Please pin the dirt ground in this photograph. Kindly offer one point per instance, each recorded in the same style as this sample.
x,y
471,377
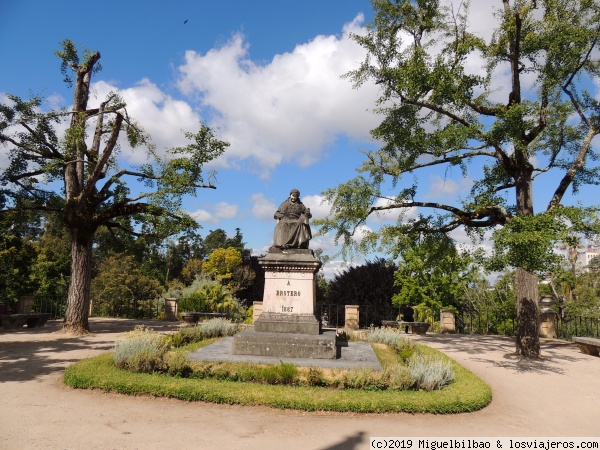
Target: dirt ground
x,y
558,395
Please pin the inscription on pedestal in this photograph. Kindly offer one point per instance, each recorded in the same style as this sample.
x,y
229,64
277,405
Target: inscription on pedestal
x,y
289,293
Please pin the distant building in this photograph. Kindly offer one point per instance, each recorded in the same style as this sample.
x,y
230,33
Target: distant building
x,y
584,258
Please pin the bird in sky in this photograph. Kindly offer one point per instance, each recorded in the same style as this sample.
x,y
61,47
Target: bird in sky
x,y
185,21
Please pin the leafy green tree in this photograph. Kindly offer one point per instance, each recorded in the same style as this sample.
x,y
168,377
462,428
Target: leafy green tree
x,y
370,285
94,189
121,289
253,291
503,133
51,269
214,240
191,270
218,239
489,309
17,254
222,263
432,274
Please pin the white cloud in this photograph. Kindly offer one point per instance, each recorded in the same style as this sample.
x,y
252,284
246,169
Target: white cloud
x,y
288,109
441,187
263,208
361,232
318,208
159,114
203,216
336,267
222,210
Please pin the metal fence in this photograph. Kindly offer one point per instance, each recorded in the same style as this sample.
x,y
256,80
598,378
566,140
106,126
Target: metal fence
x,y
334,316
54,305
130,308
578,326
467,321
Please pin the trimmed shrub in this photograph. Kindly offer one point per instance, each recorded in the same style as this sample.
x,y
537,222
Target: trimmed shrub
x,y
204,330
430,373
404,347
397,377
141,351
177,365
217,327
362,378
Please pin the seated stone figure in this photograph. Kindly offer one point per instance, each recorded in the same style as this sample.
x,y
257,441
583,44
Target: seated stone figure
x,y
292,229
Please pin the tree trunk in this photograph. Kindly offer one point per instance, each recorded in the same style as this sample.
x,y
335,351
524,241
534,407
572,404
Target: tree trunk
x,y
528,340
78,300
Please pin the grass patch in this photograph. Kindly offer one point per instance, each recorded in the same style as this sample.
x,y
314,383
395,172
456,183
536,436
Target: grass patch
x,y
465,393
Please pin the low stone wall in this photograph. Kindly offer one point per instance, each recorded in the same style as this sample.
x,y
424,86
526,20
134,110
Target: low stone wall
x,y
416,327
18,321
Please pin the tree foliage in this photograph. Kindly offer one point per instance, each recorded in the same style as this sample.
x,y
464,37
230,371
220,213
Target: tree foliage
x,y
370,285
505,110
78,175
432,274
121,290
222,263
17,255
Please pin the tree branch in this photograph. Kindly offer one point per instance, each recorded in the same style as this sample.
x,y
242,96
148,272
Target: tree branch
x,y
484,217
576,166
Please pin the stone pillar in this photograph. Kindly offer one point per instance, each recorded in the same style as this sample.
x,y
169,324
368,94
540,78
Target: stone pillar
x,y
447,321
25,304
352,316
547,317
171,309
257,309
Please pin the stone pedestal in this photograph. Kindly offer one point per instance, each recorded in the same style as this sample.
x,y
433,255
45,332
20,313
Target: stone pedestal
x,y
287,325
447,321
171,309
547,318
352,317
25,304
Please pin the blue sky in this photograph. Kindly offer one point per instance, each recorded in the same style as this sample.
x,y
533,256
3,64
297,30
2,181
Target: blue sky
x,y
266,73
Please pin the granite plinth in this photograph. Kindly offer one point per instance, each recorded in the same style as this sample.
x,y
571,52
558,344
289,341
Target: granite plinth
x,y
287,323
287,345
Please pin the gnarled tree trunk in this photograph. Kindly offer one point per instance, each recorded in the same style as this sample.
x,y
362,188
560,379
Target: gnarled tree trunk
x,y
528,340
78,300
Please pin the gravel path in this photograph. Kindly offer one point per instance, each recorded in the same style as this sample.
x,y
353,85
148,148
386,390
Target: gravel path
x,y
558,395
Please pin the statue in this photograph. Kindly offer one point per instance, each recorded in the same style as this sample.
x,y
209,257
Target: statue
x,y
292,229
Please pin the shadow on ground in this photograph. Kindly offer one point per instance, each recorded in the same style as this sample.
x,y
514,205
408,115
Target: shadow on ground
x,y
45,351
479,345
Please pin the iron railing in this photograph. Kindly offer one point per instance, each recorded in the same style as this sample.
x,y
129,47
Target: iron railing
x,y
467,321
578,326
55,305
334,316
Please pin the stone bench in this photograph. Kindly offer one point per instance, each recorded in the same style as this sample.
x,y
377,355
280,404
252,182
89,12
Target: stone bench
x,y
17,321
194,317
416,327
588,345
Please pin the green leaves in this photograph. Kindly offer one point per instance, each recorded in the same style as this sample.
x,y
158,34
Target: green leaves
x,y
530,241
523,113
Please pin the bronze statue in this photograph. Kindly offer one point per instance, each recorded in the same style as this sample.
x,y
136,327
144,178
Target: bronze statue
x,y
292,229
